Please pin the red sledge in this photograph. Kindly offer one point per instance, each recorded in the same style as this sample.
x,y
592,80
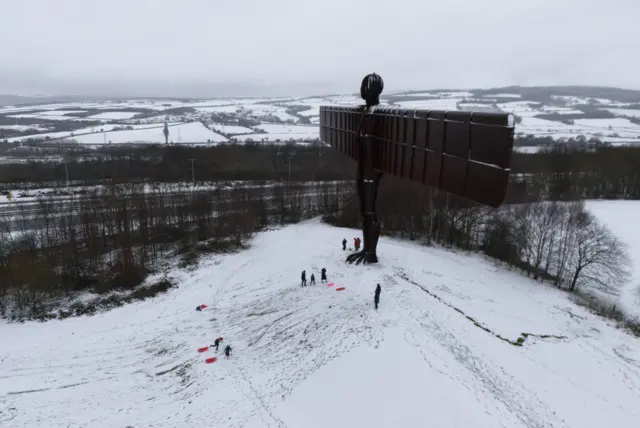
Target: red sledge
x,y
206,348
339,288
210,360
331,284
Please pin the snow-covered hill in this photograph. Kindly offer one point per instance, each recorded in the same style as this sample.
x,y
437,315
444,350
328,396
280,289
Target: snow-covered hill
x,y
440,352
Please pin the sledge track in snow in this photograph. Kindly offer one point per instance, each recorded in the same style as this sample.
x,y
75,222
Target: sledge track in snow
x,y
516,398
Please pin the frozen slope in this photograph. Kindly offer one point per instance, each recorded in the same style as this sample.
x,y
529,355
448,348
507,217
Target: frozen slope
x,y
316,357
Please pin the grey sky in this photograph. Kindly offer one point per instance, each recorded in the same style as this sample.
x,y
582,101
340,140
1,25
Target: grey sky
x,y
213,47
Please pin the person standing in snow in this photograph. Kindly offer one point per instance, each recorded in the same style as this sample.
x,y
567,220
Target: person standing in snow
x,y
227,351
303,277
323,275
313,280
355,243
217,343
344,244
376,296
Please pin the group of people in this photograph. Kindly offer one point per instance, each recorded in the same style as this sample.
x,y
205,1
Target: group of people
x,y
356,243
323,273
323,278
216,344
312,279
227,349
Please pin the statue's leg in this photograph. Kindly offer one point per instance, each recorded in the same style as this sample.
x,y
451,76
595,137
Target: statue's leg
x,y
368,191
376,229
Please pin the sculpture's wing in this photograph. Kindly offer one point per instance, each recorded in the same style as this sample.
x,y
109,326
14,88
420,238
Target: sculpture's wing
x,y
464,153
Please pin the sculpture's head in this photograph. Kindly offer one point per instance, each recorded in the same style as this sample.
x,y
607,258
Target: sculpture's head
x,y
371,89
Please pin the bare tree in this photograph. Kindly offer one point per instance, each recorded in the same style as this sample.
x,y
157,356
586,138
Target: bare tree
x,y
541,220
598,258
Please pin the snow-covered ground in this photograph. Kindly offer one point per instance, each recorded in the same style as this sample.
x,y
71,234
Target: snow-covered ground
x,y
107,129
283,132
527,149
623,112
63,134
615,130
317,357
231,129
231,108
32,195
193,132
622,218
52,115
114,115
24,127
515,96
432,104
269,111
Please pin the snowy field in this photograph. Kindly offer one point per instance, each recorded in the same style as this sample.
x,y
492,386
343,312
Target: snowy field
x,y
274,111
435,104
622,218
67,134
617,130
437,353
52,115
194,132
113,115
623,112
231,129
20,196
275,132
24,127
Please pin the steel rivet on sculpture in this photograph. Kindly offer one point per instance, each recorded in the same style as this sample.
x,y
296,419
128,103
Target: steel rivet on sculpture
x,y
467,154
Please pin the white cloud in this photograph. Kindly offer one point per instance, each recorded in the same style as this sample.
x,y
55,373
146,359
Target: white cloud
x,y
162,46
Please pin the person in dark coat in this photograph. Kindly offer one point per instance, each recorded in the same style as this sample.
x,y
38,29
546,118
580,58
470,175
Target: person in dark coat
x,y
303,277
227,351
323,275
344,244
217,343
313,280
376,296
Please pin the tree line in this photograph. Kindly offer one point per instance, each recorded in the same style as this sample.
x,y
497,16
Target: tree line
x,y
173,164
556,172
113,238
560,242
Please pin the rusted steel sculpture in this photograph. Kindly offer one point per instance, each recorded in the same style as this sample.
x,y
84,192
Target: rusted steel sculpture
x,y
464,153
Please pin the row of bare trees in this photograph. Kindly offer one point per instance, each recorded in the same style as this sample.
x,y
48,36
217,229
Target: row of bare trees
x,y
113,238
562,172
560,242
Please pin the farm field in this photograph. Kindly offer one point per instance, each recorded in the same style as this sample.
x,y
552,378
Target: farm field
x,y
272,120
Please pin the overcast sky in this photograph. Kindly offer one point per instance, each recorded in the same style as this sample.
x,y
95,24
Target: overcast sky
x,y
207,47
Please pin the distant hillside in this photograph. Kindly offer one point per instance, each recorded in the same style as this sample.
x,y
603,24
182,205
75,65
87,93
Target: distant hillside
x,y
6,100
543,93
533,93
